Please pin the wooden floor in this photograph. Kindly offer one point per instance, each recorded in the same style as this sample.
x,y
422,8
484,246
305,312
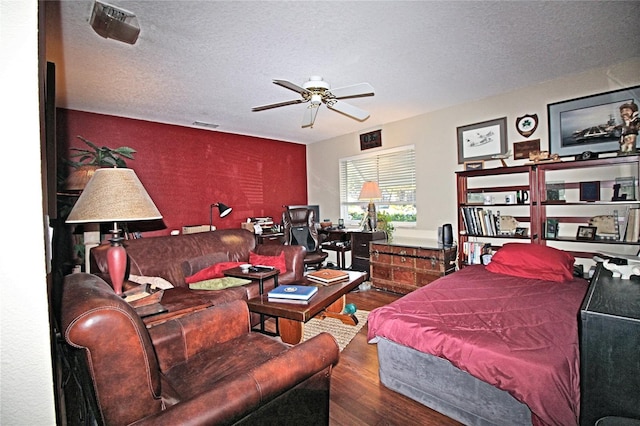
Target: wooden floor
x,y
357,396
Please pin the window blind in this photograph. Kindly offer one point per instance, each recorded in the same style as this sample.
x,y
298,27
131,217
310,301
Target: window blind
x,y
395,172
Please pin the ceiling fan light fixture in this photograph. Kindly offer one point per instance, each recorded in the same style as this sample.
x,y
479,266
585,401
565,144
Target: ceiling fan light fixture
x,y
113,22
316,99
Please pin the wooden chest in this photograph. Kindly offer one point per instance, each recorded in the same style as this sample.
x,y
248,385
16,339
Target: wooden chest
x,y
402,266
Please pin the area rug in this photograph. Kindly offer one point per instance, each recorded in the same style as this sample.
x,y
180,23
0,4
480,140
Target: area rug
x,y
343,333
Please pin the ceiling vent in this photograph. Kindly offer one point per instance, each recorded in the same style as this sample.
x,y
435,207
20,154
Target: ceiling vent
x,y
113,22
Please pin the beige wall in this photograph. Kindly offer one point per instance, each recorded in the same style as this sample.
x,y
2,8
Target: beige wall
x,y
26,385
434,136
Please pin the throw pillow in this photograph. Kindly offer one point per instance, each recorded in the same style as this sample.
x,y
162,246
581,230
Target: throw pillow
x,y
218,283
533,261
156,282
277,262
213,271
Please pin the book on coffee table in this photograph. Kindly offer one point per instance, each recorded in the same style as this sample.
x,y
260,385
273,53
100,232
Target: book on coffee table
x,y
294,292
328,276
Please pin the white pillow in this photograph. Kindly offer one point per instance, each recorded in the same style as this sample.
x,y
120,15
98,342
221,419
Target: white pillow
x,y
156,282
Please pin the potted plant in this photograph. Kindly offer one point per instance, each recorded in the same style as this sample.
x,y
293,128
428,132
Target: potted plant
x,y
92,158
384,224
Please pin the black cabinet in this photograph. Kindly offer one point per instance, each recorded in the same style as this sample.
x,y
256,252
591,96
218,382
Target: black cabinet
x,y
360,248
610,348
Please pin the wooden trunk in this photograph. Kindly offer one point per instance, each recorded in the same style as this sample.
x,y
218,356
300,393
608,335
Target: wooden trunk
x,y
402,266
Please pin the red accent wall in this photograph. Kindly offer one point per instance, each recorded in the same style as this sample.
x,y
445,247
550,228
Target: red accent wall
x,y
185,170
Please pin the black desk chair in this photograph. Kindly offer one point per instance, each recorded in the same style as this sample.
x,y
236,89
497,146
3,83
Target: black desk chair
x,y
300,229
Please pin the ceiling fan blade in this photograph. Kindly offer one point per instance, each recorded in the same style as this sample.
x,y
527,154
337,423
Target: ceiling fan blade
x,y
310,114
355,91
291,86
347,109
280,104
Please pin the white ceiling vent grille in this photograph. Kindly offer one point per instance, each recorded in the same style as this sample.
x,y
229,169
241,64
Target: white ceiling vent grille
x,y
113,22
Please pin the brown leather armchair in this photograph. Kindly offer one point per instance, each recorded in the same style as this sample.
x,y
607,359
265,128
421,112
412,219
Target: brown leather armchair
x,y
300,229
202,368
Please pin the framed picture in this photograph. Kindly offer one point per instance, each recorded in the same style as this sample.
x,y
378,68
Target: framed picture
x,y
586,233
551,229
481,141
590,191
591,123
522,232
473,165
521,150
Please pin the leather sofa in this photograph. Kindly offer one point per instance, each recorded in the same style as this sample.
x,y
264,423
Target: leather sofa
x,y
204,368
175,257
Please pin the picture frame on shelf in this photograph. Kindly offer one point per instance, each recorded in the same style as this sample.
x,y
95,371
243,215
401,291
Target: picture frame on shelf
x,y
482,141
586,233
473,165
522,232
590,191
551,229
627,187
590,123
555,192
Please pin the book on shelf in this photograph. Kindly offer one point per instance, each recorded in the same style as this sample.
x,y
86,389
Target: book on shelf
x,y
473,252
633,226
328,276
478,221
295,292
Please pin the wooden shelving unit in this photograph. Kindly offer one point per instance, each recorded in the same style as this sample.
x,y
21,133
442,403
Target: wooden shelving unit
x,y
569,213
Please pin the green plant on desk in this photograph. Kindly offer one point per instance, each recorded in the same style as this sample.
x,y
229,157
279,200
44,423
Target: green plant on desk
x,y
385,224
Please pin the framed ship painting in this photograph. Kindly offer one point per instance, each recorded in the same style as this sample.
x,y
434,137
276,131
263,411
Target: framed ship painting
x,y
592,123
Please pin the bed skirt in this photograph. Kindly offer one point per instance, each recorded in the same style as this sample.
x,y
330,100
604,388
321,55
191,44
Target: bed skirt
x,y
436,383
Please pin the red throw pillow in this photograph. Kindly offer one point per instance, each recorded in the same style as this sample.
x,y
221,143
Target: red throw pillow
x,y
277,262
533,261
213,271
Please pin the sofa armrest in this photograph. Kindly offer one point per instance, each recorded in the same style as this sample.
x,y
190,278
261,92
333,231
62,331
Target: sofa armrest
x,y
238,395
179,339
294,258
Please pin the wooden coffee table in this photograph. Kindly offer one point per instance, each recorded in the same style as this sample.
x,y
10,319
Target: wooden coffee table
x,y
328,302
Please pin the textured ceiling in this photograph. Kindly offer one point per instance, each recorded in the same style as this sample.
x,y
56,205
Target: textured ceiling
x,y
212,61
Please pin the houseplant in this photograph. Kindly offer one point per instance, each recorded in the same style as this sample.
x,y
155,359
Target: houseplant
x,y
100,156
92,158
84,162
385,224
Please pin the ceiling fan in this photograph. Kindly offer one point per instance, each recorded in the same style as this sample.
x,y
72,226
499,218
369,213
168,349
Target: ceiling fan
x,y
318,92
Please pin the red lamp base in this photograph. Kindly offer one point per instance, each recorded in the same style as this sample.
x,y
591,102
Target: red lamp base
x,y
117,263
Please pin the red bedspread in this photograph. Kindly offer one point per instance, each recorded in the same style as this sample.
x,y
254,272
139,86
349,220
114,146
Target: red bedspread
x,y
518,334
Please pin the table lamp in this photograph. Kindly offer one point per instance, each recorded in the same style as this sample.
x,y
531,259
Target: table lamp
x,y
114,195
223,210
370,191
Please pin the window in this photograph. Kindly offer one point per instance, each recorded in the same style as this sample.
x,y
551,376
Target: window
x,y
395,172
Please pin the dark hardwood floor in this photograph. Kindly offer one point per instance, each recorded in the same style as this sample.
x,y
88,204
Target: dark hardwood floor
x,y
357,396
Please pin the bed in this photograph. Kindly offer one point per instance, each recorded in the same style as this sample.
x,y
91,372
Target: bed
x,y
494,345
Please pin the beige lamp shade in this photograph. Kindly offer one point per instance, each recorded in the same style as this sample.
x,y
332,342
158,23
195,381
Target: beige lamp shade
x,y
370,191
114,195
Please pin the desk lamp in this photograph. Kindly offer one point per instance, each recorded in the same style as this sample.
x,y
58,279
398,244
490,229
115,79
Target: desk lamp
x,y
114,195
223,210
370,191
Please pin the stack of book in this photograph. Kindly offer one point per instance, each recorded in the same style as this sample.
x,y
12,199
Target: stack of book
x,y
298,293
328,276
265,223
